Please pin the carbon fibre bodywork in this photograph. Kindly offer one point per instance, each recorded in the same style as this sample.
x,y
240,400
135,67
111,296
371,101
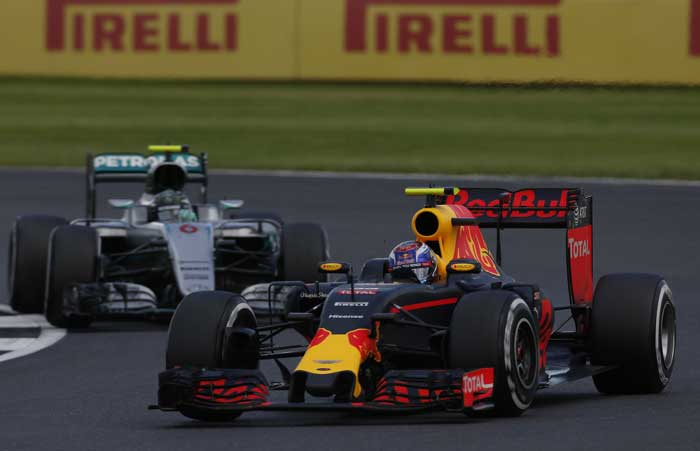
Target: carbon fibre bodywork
x,y
475,339
168,258
163,247
169,261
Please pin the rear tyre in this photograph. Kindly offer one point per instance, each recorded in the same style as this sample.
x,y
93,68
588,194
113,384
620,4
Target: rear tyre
x,y
496,329
26,264
72,259
304,246
633,327
212,329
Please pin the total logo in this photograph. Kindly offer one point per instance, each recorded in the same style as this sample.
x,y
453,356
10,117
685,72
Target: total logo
x,y
579,249
188,228
475,383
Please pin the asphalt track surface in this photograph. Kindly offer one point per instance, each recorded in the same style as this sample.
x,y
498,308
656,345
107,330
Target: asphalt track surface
x,y
90,391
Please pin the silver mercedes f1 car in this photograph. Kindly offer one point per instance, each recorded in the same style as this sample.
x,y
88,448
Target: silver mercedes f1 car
x,y
164,246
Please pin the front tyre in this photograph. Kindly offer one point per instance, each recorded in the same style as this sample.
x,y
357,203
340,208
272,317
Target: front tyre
x,y
212,329
633,327
496,329
26,264
73,259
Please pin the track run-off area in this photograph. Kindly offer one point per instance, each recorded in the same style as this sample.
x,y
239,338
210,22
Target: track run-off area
x,y
90,389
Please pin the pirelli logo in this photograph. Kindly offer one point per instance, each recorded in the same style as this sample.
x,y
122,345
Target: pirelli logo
x,y
468,27
142,26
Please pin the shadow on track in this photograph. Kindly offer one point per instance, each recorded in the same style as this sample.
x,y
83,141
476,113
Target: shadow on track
x,y
545,400
312,419
337,420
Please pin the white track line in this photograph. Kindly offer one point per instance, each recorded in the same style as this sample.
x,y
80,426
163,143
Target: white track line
x,y
15,344
435,178
17,322
20,347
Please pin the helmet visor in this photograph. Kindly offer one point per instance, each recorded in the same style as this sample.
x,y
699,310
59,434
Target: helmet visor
x,y
418,272
423,275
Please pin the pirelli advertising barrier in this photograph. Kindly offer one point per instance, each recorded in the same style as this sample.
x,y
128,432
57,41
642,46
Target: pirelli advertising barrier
x,y
604,41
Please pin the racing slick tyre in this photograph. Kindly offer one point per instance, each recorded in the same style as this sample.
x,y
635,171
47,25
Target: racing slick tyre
x,y
26,264
633,327
73,259
201,329
304,246
496,329
212,329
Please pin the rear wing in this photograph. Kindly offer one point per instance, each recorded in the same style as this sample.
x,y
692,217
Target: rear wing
x,y
526,208
568,209
134,167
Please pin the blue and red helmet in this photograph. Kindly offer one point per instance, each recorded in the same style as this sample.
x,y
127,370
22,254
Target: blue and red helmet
x,y
413,260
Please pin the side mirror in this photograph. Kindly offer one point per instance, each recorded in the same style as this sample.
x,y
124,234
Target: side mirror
x,y
464,266
230,204
334,268
121,203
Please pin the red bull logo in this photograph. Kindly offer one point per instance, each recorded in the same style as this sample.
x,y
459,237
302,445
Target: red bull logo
x,y
471,244
527,200
465,27
141,26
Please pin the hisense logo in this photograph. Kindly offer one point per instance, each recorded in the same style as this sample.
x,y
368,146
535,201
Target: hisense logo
x,y
141,25
527,28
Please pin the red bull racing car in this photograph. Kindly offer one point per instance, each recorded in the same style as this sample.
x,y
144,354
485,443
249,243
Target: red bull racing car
x,y
469,338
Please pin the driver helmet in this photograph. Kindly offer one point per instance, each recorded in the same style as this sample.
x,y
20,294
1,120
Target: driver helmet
x,y
173,206
165,176
414,261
